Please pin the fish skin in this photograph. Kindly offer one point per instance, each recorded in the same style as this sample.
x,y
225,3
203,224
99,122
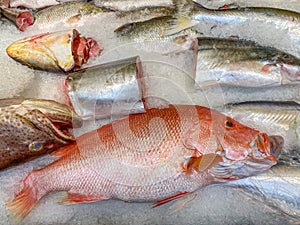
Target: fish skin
x,y
31,127
263,22
243,63
285,120
109,90
127,5
278,188
291,5
37,4
57,52
69,13
146,157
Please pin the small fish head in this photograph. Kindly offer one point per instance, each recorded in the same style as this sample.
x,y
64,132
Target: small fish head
x,y
245,151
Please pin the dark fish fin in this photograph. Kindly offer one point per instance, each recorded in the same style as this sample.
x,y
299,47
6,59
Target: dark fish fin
x,y
65,150
76,198
201,163
163,201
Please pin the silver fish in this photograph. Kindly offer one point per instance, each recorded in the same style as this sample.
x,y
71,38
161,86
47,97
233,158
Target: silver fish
x,y
291,5
108,90
267,26
278,188
127,5
274,118
243,63
37,4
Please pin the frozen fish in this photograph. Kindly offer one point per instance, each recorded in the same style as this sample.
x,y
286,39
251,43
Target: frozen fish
x,y
127,5
37,4
157,156
291,5
278,188
243,63
107,91
31,127
69,13
262,25
58,52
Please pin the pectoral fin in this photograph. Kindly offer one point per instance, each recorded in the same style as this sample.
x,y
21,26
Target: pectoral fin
x,y
75,198
180,24
201,163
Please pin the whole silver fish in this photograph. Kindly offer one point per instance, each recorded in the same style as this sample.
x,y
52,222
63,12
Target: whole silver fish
x,y
36,4
107,91
292,5
69,13
274,118
31,127
278,188
127,5
243,63
267,26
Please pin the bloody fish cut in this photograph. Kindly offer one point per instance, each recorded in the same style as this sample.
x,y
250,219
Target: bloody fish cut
x,y
156,156
21,18
32,127
58,52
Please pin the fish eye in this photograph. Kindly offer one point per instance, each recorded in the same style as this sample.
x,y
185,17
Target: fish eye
x,y
35,146
228,123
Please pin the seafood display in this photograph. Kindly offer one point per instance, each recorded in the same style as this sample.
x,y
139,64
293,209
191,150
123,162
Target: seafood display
x,y
108,90
243,63
31,127
149,101
56,52
159,156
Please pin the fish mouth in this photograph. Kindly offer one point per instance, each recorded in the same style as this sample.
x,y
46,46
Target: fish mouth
x,y
263,154
59,118
266,147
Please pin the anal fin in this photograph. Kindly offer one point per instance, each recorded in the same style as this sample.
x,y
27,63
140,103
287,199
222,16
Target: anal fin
x,y
75,198
163,201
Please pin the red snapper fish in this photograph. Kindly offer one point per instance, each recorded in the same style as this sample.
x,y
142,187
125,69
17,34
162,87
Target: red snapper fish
x,y
156,156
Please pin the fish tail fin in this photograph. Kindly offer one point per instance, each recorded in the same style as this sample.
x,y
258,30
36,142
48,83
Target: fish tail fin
x,y
181,23
25,201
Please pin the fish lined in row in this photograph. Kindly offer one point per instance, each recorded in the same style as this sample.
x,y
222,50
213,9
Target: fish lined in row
x,y
243,63
159,156
32,127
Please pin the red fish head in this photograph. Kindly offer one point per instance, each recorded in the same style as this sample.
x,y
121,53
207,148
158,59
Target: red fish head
x,y
245,151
